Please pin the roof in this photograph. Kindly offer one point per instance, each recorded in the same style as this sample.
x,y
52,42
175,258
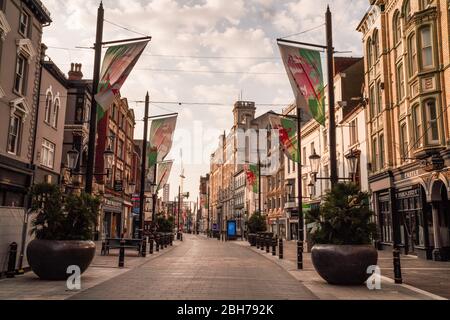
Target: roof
x,y
40,11
53,69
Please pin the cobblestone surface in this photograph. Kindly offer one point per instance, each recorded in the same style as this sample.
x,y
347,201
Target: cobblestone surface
x,y
203,269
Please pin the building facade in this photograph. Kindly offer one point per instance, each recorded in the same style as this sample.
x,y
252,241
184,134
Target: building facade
x,y
21,27
407,82
51,115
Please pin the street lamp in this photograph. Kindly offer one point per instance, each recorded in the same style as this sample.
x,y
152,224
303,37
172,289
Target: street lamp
x,y
131,187
352,162
311,189
72,159
314,161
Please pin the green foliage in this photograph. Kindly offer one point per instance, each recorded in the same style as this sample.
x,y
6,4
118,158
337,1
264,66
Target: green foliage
x,y
344,218
163,224
59,217
257,223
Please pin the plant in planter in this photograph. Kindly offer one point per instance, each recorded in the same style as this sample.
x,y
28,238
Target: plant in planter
x,y
63,228
163,224
256,223
343,236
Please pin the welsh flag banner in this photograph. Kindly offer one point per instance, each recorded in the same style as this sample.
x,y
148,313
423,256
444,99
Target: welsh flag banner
x,y
304,69
251,171
117,65
160,142
287,130
163,174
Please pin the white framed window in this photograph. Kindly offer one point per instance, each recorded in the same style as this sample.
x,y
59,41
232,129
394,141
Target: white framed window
x,y
19,79
48,107
48,154
426,47
353,132
15,129
432,121
24,22
55,113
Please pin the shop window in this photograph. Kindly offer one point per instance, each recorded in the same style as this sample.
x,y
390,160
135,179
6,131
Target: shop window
x,y
385,218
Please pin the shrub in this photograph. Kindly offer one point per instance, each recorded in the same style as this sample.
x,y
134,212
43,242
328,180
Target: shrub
x,y
344,218
257,223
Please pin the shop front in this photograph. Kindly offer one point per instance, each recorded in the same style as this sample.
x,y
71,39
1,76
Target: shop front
x,y
112,218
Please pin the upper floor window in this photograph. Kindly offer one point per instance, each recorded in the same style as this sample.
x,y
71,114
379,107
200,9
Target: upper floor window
x,y
24,22
426,47
432,121
404,142
412,57
55,113
407,12
48,107
417,126
397,28
48,154
369,53
424,4
379,97
376,46
400,82
381,151
372,101
374,155
15,129
19,81
353,132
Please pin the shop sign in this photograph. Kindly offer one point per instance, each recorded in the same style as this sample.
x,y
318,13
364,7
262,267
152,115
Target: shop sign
x,y
408,193
118,185
407,175
112,203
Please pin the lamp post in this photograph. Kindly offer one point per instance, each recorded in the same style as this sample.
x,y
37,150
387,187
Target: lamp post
x,y
352,163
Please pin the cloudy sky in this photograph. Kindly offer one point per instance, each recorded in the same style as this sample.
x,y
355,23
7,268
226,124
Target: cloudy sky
x,y
202,51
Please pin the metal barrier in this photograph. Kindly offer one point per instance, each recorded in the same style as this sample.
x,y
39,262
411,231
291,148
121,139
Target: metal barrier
x,y
12,260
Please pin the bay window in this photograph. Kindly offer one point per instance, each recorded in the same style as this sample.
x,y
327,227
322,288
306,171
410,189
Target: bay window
x,y
417,125
400,83
412,57
404,141
432,121
426,47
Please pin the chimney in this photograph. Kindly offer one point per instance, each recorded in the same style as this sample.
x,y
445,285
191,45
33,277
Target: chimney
x,y
75,72
43,51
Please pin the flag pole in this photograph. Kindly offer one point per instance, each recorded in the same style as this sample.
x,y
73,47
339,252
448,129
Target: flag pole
x,y
300,237
93,118
332,116
143,166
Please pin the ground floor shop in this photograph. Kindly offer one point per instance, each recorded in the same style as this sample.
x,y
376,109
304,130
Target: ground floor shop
x,y
112,218
15,180
414,213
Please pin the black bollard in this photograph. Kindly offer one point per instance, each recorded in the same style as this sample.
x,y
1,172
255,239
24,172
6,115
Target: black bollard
x,y
280,248
12,260
150,244
299,255
397,266
171,240
122,254
274,246
263,242
144,247
166,243
268,243
257,241
157,240
181,237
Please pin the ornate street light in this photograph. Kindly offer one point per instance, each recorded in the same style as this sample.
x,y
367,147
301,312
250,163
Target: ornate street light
x,y
108,157
314,161
131,187
311,189
72,159
352,162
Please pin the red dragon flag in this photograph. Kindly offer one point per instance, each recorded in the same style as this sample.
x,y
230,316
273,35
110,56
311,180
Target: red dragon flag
x,y
304,69
252,174
287,131
117,65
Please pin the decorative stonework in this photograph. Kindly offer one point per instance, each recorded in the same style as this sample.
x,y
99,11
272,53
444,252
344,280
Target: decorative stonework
x,y
2,93
25,47
5,28
20,105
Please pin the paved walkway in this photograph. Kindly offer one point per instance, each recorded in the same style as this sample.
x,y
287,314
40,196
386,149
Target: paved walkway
x,y
203,269
430,276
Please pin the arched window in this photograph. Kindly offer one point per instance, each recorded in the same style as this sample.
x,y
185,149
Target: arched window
x,y
426,47
412,55
407,13
369,53
432,121
404,142
397,28
424,4
376,46
417,126
55,113
48,107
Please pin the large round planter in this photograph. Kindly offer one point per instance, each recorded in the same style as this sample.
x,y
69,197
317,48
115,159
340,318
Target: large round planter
x,y
344,264
50,259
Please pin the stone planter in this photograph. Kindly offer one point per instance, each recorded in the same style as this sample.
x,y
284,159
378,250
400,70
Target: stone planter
x,y
50,259
344,264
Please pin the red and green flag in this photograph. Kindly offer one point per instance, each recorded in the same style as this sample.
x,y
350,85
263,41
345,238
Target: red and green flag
x,y
252,174
304,69
161,138
164,169
117,65
287,131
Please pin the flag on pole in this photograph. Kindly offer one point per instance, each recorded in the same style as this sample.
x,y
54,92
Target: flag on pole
x,y
252,174
287,130
164,169
160,142
304,69
117,65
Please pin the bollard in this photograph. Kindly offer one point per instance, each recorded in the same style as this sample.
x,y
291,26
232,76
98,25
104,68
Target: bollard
x,y
274,246
397,266
181,235
299,255
144,247
150,244
12,260
263,242
167,240
257,241
171,239
280,248
157,239
122,254
267,243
